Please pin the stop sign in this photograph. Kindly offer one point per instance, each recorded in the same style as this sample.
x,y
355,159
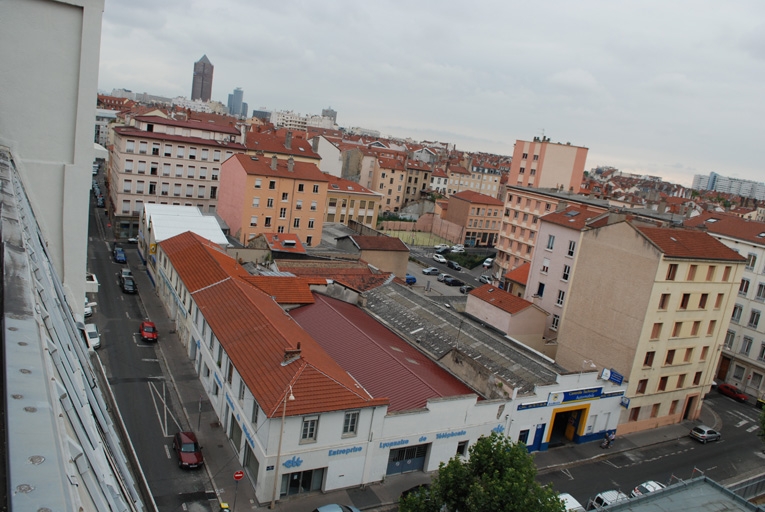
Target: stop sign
x,y
238,475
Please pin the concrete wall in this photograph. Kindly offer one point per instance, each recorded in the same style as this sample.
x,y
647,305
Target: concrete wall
x,y
48,104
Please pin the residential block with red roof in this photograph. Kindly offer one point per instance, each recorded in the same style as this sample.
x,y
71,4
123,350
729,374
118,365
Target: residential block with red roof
x,y
479,215
651,304
742,362
157,159
271,195
347,200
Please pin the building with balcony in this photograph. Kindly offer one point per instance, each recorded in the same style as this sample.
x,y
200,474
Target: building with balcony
x,y
165,161
272,195
652,306
417,180
743,354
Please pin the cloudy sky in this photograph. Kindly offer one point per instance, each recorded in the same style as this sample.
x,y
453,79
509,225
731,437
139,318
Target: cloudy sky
x,y
656,87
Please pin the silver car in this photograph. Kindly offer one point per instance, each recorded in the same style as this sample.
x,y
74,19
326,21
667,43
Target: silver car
x,y
704,433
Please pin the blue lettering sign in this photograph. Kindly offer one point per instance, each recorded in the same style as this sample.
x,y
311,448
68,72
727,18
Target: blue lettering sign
x,y
248,435
345,451
625,402
581,394
294,462
616,377
446,435
612,394
217,379
230,402
422,439
532,405
391,444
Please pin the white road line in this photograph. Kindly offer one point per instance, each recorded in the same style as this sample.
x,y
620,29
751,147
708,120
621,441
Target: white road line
x,y
752,428
167,451
155,360
741,423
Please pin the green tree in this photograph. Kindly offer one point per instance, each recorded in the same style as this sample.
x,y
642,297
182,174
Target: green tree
x,y
498,476
761,431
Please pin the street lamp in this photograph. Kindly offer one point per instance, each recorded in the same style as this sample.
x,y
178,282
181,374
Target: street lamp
x,y
287,397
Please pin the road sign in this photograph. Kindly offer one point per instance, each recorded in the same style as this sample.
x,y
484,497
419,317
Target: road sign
x,y
238,475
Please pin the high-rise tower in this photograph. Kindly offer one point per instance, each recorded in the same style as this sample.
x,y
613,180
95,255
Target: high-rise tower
x,y
201,87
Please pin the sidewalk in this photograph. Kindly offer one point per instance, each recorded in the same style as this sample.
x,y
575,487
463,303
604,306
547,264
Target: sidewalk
x,y
220,460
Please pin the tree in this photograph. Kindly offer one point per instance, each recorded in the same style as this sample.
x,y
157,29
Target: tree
x,y
761,431
498,476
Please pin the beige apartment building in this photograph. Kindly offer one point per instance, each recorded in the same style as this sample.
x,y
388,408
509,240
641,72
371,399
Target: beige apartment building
x,y
479,215
417,180
271,195
164,161
651,305
347,200
544,164
520,223
389,179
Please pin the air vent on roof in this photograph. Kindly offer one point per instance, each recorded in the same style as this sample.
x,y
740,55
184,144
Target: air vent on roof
x,y
712,220
761,235
254,158
572,213
673,239
288,243
335,187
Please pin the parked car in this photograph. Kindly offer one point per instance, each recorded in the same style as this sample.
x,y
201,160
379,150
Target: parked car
x,y
570,503
125,272
485,279
444,250
704,434
442,246
336,508
119,255
441,277
646,488
732,391
410,279
452,281
92,337
606,498
431,271
454,265
439,258
458,249
148,331
458,246
128,284
466,288
100,202
188,450
488,262
88,311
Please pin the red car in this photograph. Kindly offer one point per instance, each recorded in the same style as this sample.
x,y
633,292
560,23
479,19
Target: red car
x,y
188,450
148,331
732,391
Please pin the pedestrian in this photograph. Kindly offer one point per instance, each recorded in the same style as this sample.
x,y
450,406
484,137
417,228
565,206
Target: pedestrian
x,y
611,438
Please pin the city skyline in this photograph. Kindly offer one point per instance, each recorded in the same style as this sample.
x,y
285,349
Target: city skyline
x,y
653,89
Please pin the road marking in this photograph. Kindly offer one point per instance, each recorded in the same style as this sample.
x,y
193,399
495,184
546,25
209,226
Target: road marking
x,y
167,451
567,473
155,360
760,454
741,423
752,428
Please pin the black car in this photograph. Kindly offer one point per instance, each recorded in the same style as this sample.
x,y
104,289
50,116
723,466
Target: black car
x,y
444,250
453,264
452,281
128,284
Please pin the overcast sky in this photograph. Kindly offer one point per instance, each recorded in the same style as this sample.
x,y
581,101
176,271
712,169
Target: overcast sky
x,y
668,88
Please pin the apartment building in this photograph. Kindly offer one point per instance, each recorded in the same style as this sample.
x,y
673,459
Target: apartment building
x,y
743,354
544,164
389,179
161,160
347,200
282,143
649,305
271,195
552,266
520,223
417,179
439,181
459,179
479,215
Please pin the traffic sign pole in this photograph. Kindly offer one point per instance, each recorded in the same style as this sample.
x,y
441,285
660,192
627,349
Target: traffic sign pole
x,y
238,475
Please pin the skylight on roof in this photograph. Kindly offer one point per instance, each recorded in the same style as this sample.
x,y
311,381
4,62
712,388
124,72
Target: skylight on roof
x,y
761,235
712,220
572,213
335,187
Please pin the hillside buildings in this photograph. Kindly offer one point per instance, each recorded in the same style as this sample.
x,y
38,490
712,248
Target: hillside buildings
x,y
726,185
201,85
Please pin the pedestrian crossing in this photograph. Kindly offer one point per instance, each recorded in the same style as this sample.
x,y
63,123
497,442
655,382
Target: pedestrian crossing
x,y
748,421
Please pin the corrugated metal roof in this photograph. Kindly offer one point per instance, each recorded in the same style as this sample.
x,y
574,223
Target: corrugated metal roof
x,y
381,361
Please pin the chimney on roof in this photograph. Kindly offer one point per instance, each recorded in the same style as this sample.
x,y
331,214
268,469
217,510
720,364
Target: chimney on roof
x,y
274,161
315,144
291,354
288,140
291,164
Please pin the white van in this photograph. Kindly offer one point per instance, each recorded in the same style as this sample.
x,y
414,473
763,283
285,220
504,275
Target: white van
x,y
92,338
607,498
570,503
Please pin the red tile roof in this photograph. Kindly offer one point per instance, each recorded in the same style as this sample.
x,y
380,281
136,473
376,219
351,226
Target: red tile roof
x,y
285,289
390,163
342,185
381,361
355,275
438,173
130,131
378,243
457,169
519,274
261,166
284,242
500,299
274,143
730,225
195,125
572,217
476,198
255,332
689,244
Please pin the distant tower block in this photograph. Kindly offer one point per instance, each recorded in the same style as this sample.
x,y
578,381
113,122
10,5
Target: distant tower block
x,y
201,87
